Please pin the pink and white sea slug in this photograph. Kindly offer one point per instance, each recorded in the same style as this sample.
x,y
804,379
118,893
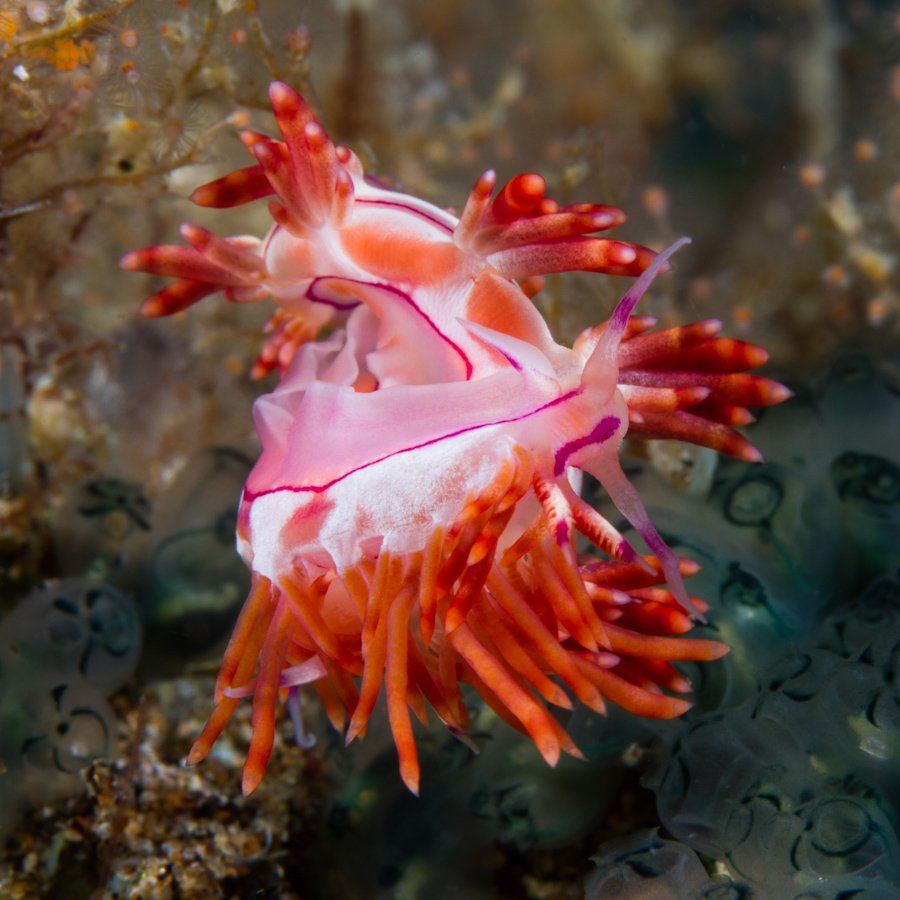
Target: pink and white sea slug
x,y
331,221
412,521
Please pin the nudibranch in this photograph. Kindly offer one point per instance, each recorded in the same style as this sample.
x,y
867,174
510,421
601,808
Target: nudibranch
x,y
414,522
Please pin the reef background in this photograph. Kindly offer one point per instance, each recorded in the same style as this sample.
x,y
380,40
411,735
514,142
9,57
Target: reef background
x,y
768,131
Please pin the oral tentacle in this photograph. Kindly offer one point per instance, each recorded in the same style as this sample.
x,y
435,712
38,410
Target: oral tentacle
x,y
608,471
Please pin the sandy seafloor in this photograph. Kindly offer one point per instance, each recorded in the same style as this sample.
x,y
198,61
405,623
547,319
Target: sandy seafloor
x,y
767,131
